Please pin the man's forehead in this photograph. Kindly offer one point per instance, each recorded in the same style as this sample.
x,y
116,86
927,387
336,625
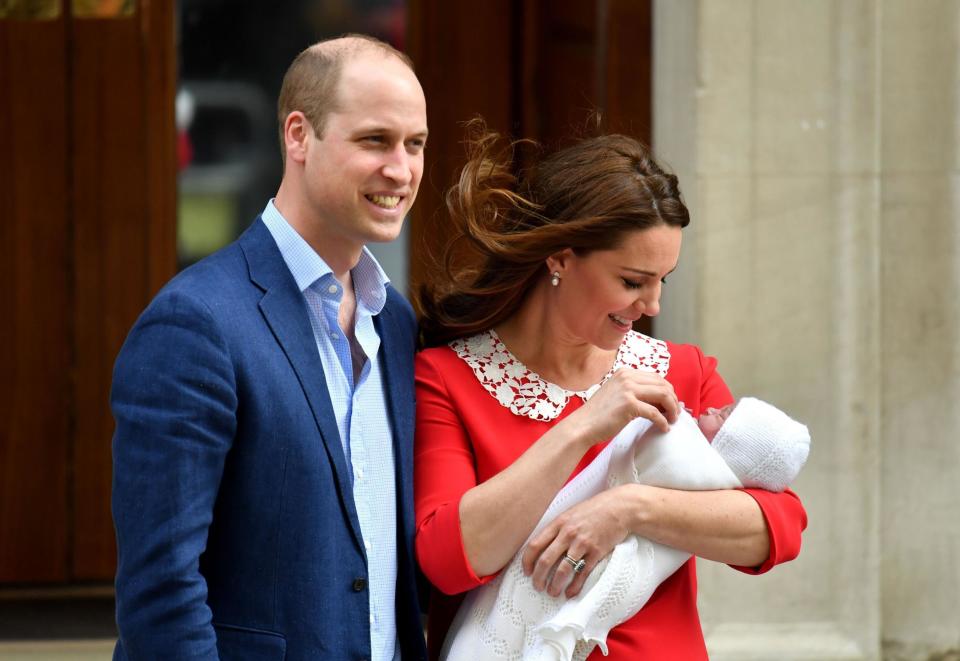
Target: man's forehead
x,y
383,94
344,46
366,61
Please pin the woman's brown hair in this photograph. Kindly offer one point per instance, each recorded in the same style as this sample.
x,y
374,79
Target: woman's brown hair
x,y
583,197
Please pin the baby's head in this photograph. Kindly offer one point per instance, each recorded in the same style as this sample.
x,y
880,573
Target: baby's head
x,y
763,445
711,421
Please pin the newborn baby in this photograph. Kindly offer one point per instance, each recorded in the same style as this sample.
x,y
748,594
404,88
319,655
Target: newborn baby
x,y
754,444
763,446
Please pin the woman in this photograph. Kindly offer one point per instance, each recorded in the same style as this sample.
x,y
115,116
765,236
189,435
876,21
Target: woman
x,y
533,366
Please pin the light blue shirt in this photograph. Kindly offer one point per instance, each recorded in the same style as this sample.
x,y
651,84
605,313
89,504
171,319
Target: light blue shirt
x,y
360,409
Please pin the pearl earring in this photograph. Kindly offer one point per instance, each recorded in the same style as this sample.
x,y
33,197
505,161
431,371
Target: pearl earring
x,y
555,280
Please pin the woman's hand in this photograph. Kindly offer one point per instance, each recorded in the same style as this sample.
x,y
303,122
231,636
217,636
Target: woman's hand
x,y
626,395
589,530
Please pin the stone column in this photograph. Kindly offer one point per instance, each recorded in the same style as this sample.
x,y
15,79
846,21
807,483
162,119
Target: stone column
x,y
817,146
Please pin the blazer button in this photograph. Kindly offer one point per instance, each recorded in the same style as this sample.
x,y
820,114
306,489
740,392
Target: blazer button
x,y
359,584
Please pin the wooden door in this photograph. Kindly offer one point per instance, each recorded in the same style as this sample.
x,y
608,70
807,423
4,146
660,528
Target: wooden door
x,y
87,200
540,69
88,197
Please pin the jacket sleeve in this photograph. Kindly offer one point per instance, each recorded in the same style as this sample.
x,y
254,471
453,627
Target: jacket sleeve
x,y
174,402
783,512
443,472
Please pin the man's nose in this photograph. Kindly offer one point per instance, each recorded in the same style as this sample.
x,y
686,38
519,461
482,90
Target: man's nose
x,y
397,166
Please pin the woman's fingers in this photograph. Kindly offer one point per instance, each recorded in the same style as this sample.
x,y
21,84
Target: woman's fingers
x,y
536,546
562,575
554,572
655,391
629,394
588,532
580,578
659,420
546,566
543,558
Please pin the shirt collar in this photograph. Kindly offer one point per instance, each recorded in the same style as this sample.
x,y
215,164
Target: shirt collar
x,y
307,267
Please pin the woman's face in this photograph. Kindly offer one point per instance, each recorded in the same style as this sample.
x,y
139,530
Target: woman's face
x,y
711,421
603,292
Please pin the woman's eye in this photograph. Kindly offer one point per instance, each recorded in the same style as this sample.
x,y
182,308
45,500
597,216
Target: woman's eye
x,y
633,284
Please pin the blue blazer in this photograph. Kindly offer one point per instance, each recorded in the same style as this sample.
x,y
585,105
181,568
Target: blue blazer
x,y
237,533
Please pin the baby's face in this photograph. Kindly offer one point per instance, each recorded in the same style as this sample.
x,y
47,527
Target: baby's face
x,y
711,421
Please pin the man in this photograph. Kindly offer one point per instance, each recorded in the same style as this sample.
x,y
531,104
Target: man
x,y
262,488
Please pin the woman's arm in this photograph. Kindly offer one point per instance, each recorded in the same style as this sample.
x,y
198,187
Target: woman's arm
x,y
495,517
751,529
725,526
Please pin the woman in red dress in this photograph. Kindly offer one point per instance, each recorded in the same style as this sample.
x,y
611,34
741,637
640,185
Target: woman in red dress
x,y
532,366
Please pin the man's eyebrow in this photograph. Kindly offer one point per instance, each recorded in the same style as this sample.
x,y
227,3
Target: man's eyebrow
x,y
377,128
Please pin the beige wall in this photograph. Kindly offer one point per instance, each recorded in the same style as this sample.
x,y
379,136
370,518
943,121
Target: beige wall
x,y
817,143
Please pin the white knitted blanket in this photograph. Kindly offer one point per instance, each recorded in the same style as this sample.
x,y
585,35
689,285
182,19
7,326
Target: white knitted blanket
x,y
508,619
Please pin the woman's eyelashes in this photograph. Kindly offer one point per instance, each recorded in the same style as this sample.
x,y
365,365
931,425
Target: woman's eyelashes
x,y
634,284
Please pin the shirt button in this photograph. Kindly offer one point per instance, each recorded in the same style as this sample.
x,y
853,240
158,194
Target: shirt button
x,y
359,474
359,584
333,336
332,289
367,545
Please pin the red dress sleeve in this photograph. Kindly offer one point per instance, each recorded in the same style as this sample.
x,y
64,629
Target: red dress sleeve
x,y
444,470
786,520
784,513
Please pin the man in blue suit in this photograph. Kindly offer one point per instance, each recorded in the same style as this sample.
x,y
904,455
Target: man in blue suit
x,y
262,490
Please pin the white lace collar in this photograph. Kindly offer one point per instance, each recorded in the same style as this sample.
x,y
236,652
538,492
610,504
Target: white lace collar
x,y
526,393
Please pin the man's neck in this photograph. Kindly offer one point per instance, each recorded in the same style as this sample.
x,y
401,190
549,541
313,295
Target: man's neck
x,y
340,255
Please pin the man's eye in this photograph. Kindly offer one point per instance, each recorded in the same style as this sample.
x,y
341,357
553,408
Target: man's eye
x,y
631,284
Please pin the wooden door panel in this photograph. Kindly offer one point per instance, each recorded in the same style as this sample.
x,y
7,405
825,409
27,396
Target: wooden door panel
x,y
88,199
539,69
123,205
35,347
627,74
465,57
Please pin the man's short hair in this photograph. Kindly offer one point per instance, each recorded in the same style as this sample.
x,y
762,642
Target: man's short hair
x,y
310,84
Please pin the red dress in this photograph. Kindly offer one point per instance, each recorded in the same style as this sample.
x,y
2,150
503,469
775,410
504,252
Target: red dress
x,y
466,433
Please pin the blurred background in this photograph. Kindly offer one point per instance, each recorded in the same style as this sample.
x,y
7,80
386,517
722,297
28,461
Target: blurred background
x,y
817,144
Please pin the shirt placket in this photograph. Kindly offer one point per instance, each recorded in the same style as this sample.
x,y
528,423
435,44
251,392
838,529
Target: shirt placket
x,y
362,481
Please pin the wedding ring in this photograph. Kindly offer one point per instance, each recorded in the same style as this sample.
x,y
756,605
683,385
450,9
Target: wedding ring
x,y
577,565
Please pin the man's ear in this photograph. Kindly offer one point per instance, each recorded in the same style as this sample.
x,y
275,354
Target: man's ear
x,y
559,262
296,133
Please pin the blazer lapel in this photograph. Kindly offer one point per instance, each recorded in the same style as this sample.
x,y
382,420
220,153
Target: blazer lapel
x,y
396,349
284,311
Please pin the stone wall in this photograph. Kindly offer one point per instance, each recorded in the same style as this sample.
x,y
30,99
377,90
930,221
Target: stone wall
x,y
817,144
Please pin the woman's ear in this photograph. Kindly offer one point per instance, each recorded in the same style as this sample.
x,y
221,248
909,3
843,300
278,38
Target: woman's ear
x,y
559,262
